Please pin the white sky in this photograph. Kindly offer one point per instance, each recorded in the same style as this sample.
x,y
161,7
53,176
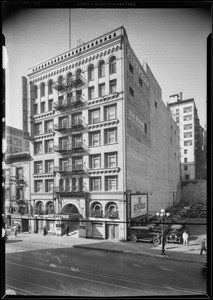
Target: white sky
x,y
172,41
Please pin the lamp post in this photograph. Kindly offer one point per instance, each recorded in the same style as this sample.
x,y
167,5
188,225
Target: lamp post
x,y
163,215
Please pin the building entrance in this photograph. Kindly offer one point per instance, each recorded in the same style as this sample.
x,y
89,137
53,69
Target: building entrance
x,y
112,231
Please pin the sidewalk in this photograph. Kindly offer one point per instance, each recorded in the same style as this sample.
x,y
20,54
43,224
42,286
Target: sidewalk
x,y
190,253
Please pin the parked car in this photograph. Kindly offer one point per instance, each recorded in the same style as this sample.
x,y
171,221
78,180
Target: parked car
x,y
144,234
175,235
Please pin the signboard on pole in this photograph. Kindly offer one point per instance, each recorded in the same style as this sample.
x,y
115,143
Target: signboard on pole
x,y
139,205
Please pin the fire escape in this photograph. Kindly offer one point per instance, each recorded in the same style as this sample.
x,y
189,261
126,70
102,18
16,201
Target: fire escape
x,y
70,128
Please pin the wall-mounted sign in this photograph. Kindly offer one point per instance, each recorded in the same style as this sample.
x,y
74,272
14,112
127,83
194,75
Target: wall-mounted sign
x,y
139,205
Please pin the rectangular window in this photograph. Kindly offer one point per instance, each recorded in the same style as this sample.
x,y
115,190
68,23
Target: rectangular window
x,y
111,183
42,107
38,148
49,146
131,68
185,151
110,136
101,89
188,143
131,91
77,141
187,109
63,122
49,185
38,128
185,159
187,127
38,168
187,118
49,166
9,139
95,161
113,86
27,145
140,82
177,119
110,112
95,183
94,116
95,138
17,142
35,109
50,104
17,150
91,92
76,119
60,100
187,134
48,125
111,160
64,164
185,168
64,143
38,186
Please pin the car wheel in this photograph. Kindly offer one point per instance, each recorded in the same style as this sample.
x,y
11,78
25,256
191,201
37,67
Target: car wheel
x,y
156,241
133,238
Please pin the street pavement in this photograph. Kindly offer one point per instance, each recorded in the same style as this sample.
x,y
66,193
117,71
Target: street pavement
x,y
191,252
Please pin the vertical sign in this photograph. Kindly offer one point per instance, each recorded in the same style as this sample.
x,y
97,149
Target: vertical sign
x,y
128,211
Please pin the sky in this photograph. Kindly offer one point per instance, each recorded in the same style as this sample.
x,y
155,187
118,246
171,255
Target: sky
x,y
172,41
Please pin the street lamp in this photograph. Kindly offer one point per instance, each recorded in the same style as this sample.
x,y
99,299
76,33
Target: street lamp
x,y
163,215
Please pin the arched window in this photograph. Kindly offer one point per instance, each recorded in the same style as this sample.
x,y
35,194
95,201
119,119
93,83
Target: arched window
x,y
111,211
35,91
78,73
42,89
74,184
96,210
112,65
61,184
101,69
67,184
60,80
91,73
50,87
81,184
69,76
40,208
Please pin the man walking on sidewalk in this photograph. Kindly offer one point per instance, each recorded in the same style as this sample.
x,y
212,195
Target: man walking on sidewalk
x,y
203,246
185,237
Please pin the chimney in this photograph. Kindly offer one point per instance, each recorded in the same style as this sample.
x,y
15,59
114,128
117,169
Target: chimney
x,y
181,96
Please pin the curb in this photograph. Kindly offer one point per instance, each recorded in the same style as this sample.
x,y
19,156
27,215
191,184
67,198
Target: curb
x,y
137,253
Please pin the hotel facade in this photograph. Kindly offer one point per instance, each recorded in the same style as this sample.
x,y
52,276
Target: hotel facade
x,y
105,147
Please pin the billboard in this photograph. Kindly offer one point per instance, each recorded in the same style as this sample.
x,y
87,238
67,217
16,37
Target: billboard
x,y
139,205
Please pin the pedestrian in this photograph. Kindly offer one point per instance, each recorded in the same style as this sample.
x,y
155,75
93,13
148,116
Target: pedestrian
x,y
15,231
19,228
67,230
29,228
203,246
45,231
185,237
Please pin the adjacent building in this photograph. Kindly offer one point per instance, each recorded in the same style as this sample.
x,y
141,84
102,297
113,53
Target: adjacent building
x,y
17,140
185,114
105,147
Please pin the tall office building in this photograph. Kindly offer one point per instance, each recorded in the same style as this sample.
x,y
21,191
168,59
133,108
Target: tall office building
x,y
105,147
185,114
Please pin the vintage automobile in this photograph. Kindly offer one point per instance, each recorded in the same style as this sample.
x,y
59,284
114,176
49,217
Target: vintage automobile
x,y
145,234
175,234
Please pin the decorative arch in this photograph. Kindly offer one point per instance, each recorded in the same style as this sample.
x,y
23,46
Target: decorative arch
x,y
91,70
69,209
101,68
39,208
111,210
112,64
96,210
69,78
50,86
42,89
49,208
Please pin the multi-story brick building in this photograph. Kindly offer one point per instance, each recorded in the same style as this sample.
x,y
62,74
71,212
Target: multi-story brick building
x,y
105,147
185,114
17,140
